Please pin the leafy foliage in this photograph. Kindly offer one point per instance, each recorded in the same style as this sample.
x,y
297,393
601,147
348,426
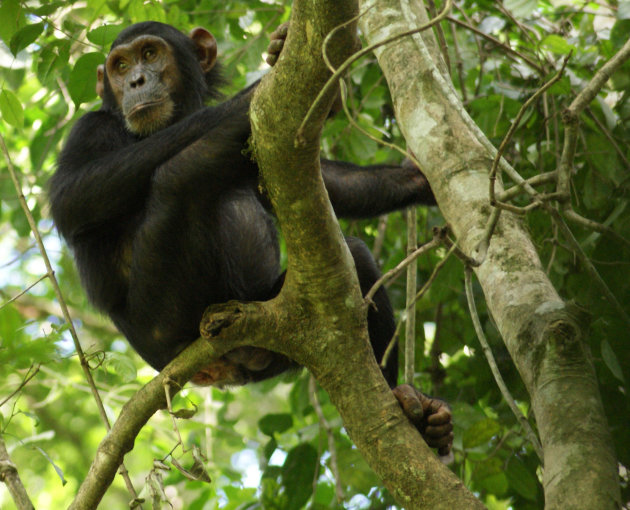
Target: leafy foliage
x,y
265,445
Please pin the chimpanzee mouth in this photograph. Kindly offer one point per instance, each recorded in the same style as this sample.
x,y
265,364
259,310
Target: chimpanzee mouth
x,y
140,107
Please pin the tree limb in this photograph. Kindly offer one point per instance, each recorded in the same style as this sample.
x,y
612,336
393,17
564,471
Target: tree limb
x,y
539,329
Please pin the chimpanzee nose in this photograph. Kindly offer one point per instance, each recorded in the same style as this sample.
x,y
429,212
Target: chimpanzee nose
x,y
137,81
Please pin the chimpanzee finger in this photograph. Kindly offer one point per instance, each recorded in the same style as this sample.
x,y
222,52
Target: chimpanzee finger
x,y
412,406
440,442
439,431
273,51
443,451
280,32
440,417
275,46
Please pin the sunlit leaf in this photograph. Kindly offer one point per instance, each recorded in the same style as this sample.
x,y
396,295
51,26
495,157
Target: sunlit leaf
x,y
11,18
49,8
11,109
521,9
82,84
122,365
25,36
557,45
105,35
58,470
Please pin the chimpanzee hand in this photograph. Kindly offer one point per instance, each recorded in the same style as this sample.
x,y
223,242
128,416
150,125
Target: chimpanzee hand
x,y
276,43
431,416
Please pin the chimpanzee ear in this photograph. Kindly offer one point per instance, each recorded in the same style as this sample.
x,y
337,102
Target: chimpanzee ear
x,y
100,78
206,47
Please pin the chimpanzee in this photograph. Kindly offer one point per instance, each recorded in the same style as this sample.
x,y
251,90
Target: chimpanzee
x,y
162,208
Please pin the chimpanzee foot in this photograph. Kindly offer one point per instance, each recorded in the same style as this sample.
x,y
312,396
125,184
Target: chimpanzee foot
x,y
431,416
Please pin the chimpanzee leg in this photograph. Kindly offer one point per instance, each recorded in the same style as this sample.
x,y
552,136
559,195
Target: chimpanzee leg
x,y
381,325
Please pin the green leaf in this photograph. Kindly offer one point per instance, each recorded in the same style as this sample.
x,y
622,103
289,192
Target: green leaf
x,y
82,83
270,447
619,33
184,414
298,471
272,423
480,433
610,358
557,45
105,35
489,475
298,397
52,57
522,479
121,365
57,468
48,9
520,8
11,109
11,18
25,36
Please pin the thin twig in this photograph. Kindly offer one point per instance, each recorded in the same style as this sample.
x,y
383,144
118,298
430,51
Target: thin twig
x,y
529,432
395,272
536,180
590,268
511,52
591,90
17,296
412,277
334,79
411,305
516,124
481,249
169,406
380,237
459,65
29,375
64,308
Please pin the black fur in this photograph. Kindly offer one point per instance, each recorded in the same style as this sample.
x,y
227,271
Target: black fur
x,y
165,225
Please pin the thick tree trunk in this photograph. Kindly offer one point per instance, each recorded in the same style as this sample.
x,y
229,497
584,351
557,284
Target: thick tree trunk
x,y
326,329
542,335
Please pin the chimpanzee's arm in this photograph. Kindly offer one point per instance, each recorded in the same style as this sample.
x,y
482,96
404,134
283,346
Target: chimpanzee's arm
x,y
361,192
105,172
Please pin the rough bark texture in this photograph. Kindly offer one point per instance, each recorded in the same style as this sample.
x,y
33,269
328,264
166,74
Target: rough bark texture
x,y
542,335
9,475
323,323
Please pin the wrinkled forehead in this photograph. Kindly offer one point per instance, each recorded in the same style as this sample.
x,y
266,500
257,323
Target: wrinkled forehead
x,y
137,42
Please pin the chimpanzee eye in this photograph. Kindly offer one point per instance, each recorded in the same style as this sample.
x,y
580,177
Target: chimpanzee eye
x,y
121,66
149,53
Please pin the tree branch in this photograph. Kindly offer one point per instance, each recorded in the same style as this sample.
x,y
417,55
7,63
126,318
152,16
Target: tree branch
x,y
539,330
321,284
9,475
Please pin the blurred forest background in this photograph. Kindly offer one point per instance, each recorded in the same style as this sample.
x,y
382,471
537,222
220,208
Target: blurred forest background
x,y
280,444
